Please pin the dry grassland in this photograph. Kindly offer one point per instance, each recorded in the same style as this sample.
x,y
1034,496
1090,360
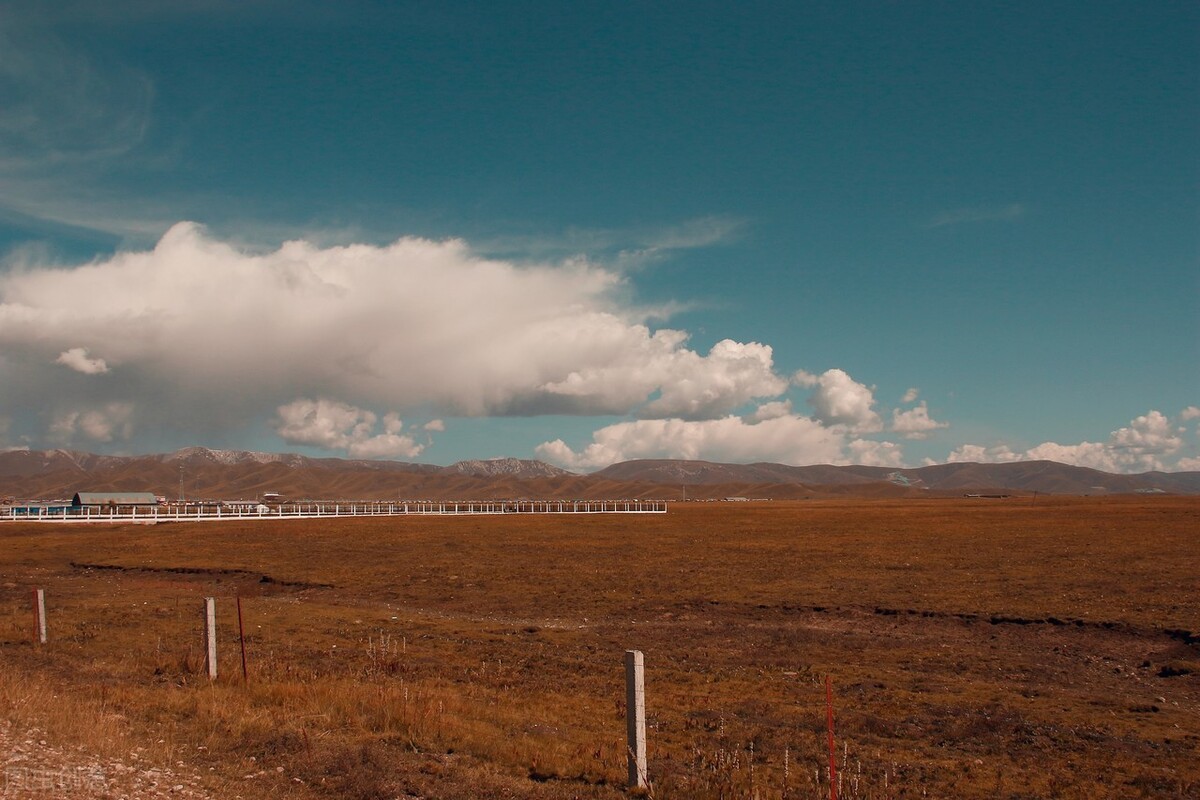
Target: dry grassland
x,y
978,648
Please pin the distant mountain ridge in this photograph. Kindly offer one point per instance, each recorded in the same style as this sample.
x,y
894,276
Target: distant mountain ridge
x,y
207,473
1049,477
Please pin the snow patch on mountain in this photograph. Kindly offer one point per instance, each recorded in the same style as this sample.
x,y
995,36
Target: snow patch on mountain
x,y
508,467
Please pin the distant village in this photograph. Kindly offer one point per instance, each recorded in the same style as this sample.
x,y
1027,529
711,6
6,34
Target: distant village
x,y
128,503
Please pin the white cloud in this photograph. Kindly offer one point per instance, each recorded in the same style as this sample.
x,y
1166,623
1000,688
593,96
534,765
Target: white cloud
x,y
838,399
1188,464
915,423
559,452
1190,413
975,453
911,395
77,359
1139,447
875,454
331,425
787,439
805,379
776,408
1144,445
730,375
690,385
1084,454
103,424
434,425
1149,435
214,337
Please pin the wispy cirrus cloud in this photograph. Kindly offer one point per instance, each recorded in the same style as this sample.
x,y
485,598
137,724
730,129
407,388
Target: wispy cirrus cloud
x,y
68,116
959,216
62,107
616,247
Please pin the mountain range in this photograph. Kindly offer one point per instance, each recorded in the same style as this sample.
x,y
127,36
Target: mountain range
x,y
201,473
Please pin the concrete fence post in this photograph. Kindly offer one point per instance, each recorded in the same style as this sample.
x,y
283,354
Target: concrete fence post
x,y
210,636
635,717
39,614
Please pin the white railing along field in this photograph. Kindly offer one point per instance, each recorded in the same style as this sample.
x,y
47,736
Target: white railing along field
x,y
205,512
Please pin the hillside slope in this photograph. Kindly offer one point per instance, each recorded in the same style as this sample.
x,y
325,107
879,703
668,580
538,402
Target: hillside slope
x,y
197,472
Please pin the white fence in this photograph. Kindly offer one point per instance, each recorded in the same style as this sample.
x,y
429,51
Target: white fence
x,y
206,512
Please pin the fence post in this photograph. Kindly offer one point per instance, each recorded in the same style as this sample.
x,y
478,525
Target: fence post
x,y
210,636
242,640
39,614
635,717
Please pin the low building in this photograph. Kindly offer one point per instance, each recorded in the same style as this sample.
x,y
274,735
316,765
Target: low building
x,y
35,509
113,500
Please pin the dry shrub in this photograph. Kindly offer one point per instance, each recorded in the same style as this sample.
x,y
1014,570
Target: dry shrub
x,y
352,770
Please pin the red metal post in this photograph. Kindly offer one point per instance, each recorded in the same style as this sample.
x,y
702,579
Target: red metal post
x,y
832,749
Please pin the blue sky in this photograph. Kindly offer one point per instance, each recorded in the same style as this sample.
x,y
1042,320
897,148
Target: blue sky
x,y
847,232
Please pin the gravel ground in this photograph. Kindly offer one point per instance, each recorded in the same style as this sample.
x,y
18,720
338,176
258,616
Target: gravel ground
x,y
37,769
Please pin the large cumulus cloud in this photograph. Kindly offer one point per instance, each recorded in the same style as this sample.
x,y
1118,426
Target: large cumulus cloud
x,y
198,334
338,426
838,399
787,439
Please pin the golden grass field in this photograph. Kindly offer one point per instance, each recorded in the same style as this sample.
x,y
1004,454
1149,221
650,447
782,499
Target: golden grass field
x,y
977,648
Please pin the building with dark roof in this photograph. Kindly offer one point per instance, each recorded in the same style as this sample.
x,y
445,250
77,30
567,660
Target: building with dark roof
x,y
113,499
